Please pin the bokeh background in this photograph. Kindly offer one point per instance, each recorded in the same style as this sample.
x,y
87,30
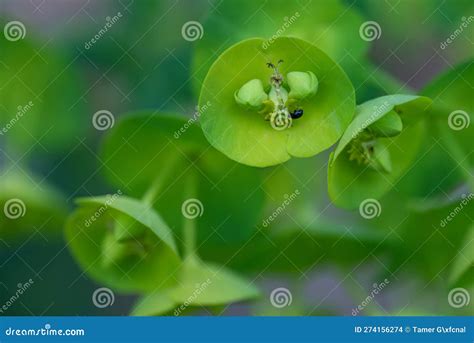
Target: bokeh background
x,y
50,156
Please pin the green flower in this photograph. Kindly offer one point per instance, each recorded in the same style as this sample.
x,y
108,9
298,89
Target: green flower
x,y
281,130
377,147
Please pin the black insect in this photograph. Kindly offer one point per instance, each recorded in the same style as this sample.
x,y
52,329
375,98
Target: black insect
x,y
296,114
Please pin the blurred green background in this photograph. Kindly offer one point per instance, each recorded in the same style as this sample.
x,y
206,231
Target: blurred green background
x,y
51,154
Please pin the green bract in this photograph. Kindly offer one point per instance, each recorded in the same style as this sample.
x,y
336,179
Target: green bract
x,y
244,135
141,263
376,148
199,285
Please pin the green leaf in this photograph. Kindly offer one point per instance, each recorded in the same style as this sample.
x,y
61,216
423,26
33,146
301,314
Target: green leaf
x,y
146,144
138,264
199,285
244,135
350,181
32,204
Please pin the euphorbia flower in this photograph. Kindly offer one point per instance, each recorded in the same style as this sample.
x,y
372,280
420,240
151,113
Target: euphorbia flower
x,y
310,101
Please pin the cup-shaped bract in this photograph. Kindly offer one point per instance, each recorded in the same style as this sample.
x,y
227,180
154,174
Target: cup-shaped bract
x,y
139,264
371,156
245,136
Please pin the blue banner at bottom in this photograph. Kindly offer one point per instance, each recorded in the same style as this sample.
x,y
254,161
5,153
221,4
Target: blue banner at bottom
x,y
236,329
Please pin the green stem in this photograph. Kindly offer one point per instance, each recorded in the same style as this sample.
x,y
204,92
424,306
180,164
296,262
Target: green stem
x,y
189,224
161,179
